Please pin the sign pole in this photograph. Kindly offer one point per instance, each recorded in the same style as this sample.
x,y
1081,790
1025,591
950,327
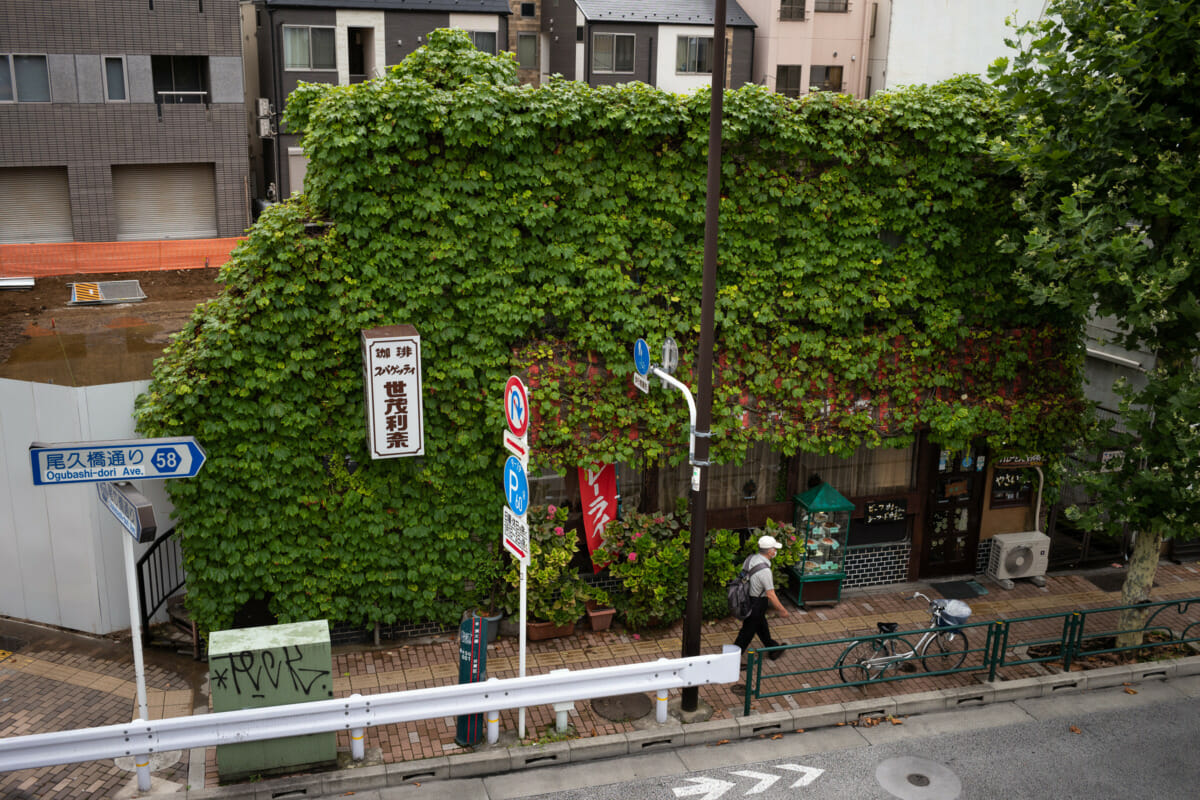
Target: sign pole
x,y
521,659
139,668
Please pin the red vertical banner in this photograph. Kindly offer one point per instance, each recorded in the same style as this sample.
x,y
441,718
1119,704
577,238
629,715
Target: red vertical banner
x,y
598,494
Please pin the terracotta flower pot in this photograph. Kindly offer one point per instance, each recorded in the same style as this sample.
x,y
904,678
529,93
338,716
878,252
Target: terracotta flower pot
x,y
600,618
537,631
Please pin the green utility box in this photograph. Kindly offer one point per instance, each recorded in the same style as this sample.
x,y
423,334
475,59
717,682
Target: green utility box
x,y
273,665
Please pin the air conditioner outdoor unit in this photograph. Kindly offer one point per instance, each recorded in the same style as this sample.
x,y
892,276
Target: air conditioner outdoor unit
x,y
1019,555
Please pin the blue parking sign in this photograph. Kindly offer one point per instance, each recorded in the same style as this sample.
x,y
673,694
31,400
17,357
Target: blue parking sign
x,y
516,486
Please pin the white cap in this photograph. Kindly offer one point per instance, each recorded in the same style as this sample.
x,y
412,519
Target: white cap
x,y
769,543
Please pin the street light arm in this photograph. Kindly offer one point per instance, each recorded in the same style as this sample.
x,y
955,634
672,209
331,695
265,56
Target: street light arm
x,y
670,380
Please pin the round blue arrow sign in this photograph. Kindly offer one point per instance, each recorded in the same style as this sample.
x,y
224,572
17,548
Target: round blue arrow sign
x,y
641,356
516,486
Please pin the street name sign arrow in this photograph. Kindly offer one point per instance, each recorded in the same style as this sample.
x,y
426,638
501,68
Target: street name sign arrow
x,y
117,460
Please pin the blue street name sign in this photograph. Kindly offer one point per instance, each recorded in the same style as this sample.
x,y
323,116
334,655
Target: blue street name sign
x,y
121,460
516,486
641,357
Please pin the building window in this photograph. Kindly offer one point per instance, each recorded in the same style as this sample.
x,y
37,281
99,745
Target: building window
x,y
527,50
528,9
180,79
578,33
24,79
831,5
612,52
115,88
789,80
791,9
309,48
694,54
484,40
874,17
825,78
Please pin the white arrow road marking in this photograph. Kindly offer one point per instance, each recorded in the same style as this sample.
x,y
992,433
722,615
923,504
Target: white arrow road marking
x,y
764,780
711,788
810,774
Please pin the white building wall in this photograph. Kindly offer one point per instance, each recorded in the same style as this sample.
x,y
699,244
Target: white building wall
x,y
359,19
666,78
932,40
63,561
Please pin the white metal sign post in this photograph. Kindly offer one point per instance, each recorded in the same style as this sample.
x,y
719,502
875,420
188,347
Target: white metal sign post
x,y
516,495
109,464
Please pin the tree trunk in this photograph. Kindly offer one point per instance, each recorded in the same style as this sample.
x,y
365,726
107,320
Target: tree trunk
x,y
1138,582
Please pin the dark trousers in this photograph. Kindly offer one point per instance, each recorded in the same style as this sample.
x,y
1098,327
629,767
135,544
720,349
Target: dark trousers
x,y
756,625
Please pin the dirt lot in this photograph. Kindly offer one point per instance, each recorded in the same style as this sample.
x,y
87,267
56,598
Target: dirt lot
x,y
45,339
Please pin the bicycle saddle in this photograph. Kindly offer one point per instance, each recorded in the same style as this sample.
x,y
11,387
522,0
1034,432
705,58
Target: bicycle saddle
x,y
888,627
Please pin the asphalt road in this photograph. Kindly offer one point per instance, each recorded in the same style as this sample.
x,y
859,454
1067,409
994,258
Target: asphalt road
x,y
1100,744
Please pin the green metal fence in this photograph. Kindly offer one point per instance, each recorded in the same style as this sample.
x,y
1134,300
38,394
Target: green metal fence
x,y
1168,629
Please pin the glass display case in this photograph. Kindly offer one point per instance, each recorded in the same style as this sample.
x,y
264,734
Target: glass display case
x,y
823,520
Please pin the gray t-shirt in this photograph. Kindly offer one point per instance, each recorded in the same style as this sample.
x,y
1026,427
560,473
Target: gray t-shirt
x,y
762,581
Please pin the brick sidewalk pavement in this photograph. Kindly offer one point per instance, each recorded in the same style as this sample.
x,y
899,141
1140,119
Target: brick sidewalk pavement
x,y
59,681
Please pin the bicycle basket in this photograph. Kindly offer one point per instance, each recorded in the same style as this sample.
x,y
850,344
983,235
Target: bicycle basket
x,y
953,614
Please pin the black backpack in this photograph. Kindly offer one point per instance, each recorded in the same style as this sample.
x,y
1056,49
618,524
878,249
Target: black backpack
x,y
738,590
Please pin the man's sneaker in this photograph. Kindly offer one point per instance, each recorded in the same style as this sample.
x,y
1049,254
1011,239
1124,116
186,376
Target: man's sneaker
x,y
775,654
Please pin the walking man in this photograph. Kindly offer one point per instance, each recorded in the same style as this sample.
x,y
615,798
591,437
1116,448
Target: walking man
x,y
762,593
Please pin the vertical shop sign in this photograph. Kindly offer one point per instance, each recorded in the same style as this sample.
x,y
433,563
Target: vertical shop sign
x,y
392,381
598,494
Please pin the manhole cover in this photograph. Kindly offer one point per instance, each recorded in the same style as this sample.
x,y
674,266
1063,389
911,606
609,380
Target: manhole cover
x,y
912,778
623,707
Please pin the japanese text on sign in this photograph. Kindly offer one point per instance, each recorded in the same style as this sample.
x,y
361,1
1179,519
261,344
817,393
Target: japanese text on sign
x,y
395,411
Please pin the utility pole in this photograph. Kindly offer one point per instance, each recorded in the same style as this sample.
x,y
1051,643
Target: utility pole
x,y
708,301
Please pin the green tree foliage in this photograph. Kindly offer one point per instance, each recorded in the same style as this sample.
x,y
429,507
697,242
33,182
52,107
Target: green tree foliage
x,y
511,225
1108,146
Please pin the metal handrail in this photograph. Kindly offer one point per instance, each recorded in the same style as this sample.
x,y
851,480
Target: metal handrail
x,y
161,569
357,712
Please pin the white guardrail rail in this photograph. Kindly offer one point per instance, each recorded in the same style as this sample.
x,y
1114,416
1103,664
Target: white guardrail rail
x,y
141,738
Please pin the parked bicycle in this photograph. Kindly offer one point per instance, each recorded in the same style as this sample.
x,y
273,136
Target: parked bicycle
x,y
941,648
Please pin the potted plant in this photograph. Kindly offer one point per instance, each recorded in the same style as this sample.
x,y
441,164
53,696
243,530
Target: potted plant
x,y
490,587
555,594
599,608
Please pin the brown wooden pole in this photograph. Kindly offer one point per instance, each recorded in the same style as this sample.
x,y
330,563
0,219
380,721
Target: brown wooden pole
x,y
708,301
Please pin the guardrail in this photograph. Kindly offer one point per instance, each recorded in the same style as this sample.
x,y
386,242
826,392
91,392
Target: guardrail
x,y
1061,638
141,738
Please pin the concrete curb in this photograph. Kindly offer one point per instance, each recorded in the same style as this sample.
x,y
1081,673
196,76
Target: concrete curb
x,y
673,734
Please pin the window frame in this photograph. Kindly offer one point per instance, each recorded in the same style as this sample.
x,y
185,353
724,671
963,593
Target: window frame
x,y
813,85
686,69
799,82
831,6
10,60
531,7
615,70
308,29
522,36
108,98
495,40
792,10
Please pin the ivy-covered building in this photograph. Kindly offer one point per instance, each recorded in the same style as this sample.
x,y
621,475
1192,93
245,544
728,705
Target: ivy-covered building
x,y
868,331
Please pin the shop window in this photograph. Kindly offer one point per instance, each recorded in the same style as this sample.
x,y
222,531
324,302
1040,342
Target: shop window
x,y
1012,488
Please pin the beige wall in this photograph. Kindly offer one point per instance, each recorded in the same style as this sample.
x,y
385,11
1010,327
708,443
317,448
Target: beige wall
x,y
816,40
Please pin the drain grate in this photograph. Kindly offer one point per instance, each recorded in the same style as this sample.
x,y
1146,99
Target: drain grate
x,y
106,292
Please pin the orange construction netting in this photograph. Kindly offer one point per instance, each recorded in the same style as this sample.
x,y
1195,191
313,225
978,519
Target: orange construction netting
x,y
78,258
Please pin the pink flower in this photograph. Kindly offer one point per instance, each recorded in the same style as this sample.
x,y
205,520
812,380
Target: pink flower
x,y
559,530
633,556
660,520
637,535
550,511
636,637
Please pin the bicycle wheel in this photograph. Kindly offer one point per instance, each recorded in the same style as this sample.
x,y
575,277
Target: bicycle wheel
x,y
946,650
864,660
